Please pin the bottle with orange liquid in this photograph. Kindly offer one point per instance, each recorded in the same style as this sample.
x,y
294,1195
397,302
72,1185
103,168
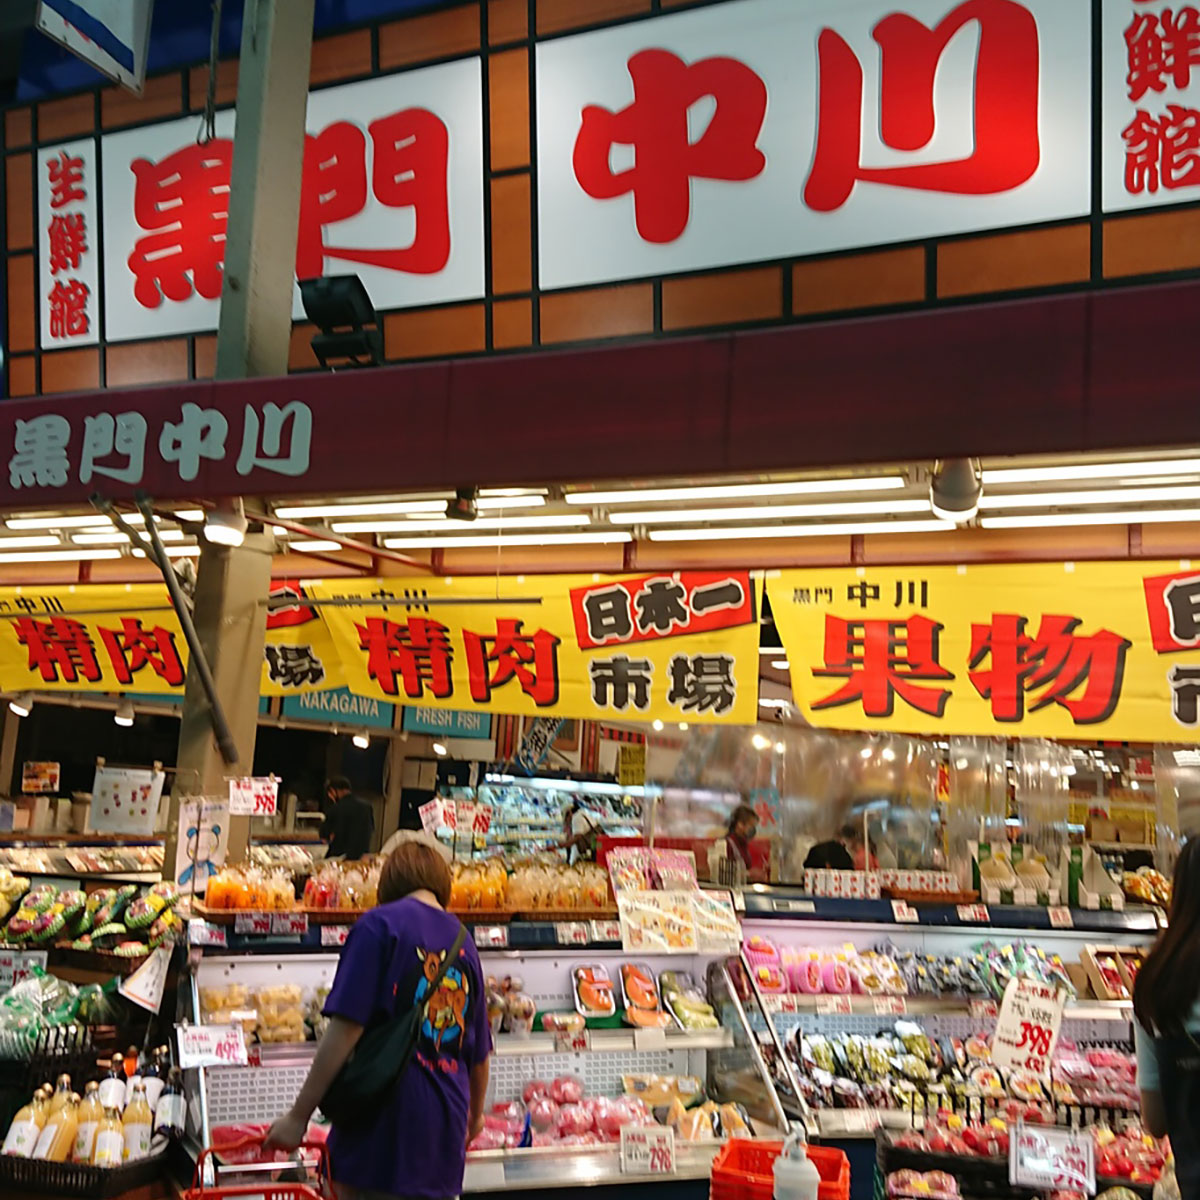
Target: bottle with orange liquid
x,y
90,1113
26,1126
62,1094
110,1139
138,1124
57,1139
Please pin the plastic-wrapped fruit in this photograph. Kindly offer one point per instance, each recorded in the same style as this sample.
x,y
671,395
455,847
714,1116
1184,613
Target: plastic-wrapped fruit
x,y
40,898
488,1139
542,1113
141,913
99,898
71,902
112,930
535,1089
83,921
162,928
126,892
20,923
572,1120
130,949
567,1089
46,925
82,943
167,892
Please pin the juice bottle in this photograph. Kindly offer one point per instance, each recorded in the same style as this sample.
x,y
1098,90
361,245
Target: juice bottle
x,y
62,1094
112,1087
90,1113
171,1113
110,1139
57,1139
26,1127
138,1125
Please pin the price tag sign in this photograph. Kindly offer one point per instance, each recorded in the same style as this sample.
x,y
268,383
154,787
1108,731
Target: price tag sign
x,y
606,931
289,923
890,1006
649,1039
904,912
1027,1028
983,1010
16,965
784,1004
859,1120
211,1046
253,797
829,1005
491,937
572,1043
648,1150
334,935
201,933
1050,1159
571,933
974,914
1060,918
255,923
146,985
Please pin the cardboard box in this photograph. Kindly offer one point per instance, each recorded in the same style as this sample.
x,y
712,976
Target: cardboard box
x,y
1103,830
1084,883
1129,963
1104,973
1015,888
1132,832
1079,977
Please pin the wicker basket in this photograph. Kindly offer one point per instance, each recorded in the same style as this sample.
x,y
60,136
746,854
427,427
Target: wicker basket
x,y
77,1179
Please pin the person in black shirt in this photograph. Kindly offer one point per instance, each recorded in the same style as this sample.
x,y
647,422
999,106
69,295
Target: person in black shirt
x,y
349,821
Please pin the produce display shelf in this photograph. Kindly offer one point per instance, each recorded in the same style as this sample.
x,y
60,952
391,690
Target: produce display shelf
x,y
583,1166
898,1006
316,916
764,902
619,1041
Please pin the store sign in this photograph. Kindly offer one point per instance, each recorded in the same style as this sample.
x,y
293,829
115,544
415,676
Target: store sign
x,y
676,647
446,722
1027,1028
1057,650
767,129
391,191
126,638
68,245
1052,1160
110,35
340,706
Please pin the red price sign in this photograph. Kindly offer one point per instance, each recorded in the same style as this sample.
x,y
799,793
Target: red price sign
x,y
973,914
289,923
828,1005
648,1150
253,797
258,924
211,1046
334,935
890,1006
481,820
571,933
1027,1027
1050,1159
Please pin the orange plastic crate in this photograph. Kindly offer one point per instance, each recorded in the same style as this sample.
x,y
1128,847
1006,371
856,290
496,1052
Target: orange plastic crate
x,y
744,1170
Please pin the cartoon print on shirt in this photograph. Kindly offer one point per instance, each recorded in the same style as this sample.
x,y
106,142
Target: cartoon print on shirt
x,y
446,1015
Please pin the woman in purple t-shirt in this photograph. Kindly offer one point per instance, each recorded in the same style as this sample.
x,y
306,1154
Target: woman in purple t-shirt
x,y
416,1144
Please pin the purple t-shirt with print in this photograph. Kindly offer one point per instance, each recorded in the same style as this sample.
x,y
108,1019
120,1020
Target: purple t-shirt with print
x,y
416,1145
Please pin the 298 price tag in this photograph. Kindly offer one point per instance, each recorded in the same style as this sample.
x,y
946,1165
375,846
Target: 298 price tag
x,y
647,1150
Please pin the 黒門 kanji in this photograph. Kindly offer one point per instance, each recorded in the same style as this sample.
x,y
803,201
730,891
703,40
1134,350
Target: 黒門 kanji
x,y
40,452
1007,145
418,651
880,660
132,648
621,681
293,666
60,649
656,125
529,658
1163,48
1081,672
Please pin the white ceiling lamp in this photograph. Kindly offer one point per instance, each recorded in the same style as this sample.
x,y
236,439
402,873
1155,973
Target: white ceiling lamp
x,y
90,521
797,531
766,512
738,491
401,508
1132,517
21,704
567,521
361,740
440,750
192,551
1106,470
226,524
1133,495
124,714
48,556
28,543
532,539
780,664
116,538
955,489
314,545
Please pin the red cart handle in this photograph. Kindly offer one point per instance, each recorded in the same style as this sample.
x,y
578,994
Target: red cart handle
x,y
199,1192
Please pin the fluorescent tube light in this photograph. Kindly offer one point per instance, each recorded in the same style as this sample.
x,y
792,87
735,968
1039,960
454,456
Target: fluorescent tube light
x,y
1109,470
1132,517
47,556
794,531
527,539
1133,495
568,521
738,491
767,512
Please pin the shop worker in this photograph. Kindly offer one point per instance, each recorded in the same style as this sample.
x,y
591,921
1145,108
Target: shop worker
x,y
349,821
581,832
415,1144
741,831
1166,1002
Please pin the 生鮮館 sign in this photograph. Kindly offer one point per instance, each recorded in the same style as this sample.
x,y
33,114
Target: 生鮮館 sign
x,y
737,132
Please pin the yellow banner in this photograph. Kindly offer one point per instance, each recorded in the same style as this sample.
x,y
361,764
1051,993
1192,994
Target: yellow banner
x,y
117,638
1066,650
673,647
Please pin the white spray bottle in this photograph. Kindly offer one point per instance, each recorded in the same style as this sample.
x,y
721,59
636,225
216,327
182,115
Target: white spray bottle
x,y
796,1177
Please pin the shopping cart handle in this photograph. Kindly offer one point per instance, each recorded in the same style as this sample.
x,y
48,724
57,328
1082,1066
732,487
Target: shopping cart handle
x,y
198,1190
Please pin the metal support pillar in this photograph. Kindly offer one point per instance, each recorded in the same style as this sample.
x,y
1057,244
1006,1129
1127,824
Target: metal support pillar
x,y
252,340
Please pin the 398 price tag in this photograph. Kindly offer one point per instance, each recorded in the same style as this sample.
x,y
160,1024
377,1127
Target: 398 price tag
x,y
890,1006
1027,1028
1060,918
648,1150
571,933
211,1046
829,1005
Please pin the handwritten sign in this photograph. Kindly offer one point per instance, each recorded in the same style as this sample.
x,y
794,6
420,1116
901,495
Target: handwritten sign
x,y
571,933
647,1150
146,985
334,935
974,914
211,1046
1050,1159
16,965
1027,1029
250,796
904,913
256,923
289,923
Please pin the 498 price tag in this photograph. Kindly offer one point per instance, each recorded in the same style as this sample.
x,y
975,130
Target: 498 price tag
x,y
211,1046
